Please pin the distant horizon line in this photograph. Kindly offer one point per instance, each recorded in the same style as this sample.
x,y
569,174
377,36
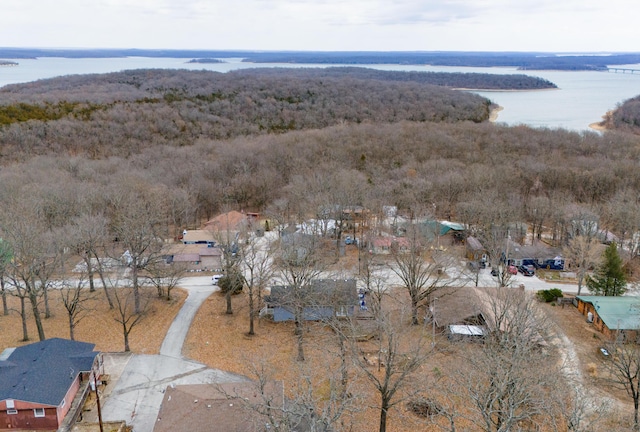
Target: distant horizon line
x,y
232,50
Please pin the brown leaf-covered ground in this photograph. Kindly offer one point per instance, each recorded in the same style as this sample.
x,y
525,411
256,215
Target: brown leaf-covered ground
x,y
98,326
221,341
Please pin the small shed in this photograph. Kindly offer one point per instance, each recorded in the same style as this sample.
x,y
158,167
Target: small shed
x,y
475,251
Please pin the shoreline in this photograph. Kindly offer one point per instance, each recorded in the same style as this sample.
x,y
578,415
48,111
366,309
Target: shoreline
x,y
597,126
495,113
502,90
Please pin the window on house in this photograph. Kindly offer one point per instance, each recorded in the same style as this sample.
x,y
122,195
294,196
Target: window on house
x,y
341,311
10,403
12,411
38,412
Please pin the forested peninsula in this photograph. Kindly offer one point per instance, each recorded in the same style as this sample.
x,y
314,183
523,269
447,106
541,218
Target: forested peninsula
x,y
122,113
626,117
483,81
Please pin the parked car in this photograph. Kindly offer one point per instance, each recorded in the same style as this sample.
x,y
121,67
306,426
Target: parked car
x,y
215,279
477,265
512,269
348,240
495,272
527,270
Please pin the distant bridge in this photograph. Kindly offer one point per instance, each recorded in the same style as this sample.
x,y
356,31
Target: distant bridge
x,y
623,70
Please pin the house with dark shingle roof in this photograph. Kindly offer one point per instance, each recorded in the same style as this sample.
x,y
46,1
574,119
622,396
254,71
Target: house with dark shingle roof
x,y
321,299
39,381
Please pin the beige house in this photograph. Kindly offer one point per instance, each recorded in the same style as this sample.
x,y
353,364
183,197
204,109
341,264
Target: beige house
x,y
229,407
199,237
198,257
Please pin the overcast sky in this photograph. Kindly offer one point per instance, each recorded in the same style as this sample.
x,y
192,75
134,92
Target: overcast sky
x,y
384,25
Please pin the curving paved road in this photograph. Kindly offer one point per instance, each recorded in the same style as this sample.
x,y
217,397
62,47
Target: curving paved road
x,y
137,395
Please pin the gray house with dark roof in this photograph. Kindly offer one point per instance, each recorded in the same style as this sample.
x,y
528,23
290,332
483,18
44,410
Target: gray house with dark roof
x,y
39,381
321,299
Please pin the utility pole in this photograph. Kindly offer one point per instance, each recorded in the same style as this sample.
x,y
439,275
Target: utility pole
x,y
433,320
95,386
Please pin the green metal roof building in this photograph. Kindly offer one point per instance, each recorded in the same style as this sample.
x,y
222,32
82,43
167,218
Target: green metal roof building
x,y
612,313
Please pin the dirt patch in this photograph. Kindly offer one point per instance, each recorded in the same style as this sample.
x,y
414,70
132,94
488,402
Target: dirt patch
x,y
586,341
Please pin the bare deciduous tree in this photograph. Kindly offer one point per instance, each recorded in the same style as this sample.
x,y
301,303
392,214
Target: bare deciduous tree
x,y
306,407
401,354
582,253
422,268
257,259
75,298
126,313
373,278
140,227
34,257
86,236
165,277
299,261
5,258
498,244
508,380
624,371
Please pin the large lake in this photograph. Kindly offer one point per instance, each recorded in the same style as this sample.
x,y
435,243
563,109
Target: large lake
x,y
582,98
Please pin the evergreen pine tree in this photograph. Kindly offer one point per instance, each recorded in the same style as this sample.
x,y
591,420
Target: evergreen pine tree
x,y
609,278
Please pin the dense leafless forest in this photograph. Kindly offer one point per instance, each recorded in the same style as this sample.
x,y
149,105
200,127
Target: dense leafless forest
x,y
626,117
485,81
216,141
123,113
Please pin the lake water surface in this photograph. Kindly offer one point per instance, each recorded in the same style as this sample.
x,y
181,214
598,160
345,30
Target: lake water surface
x,y
582,98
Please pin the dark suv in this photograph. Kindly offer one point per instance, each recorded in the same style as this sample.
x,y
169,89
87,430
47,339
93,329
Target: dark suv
x,y
527,270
